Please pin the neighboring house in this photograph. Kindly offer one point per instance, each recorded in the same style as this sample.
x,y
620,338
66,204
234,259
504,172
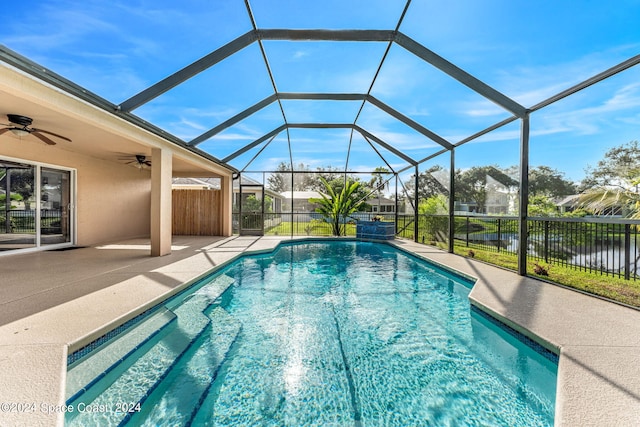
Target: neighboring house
x,y
500,199
499,203
382,205
571,203
300,200
567,203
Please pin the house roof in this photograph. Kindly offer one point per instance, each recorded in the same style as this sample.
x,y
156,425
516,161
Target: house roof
x,y
568,200
301,195
383,201
212,183
245,180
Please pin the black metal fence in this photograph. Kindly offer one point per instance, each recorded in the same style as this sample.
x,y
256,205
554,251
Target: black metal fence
x,y
596,245
432,229
606,247
24,221
298,223
491,233
600,246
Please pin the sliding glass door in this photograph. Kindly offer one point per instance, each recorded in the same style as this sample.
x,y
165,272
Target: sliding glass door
x,y
17,206
35,206
55,206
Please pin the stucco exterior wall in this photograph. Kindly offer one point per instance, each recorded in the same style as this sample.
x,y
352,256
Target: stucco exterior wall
x,y
113,200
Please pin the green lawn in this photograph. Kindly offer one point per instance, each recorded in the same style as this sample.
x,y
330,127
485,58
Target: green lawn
x,y
312,228
617,289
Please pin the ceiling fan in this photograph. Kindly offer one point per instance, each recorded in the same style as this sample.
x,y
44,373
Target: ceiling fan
x,y
138,160
20,126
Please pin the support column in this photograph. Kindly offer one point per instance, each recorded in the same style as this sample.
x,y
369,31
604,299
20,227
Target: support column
x,y
416,199
523,208
226,208
452,200
396,205
161,174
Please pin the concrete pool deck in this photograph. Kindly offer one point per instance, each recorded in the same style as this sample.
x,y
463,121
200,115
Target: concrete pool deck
x,y
53,303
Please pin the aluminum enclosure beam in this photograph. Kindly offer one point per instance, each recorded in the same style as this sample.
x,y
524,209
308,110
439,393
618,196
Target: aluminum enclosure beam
x,y
385,145
320,126
325,97
320,35
327,35
380,155
631,62
254,143
364,133
324,35
233,120
268,101
187,72
460,75
487,130
357,128
523,231
452,200
411,123
264,147
322,96
407,43
239,44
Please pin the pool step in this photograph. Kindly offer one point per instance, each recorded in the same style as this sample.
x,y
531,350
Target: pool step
x,y
210,292
151,365
134,378
183,390
88,370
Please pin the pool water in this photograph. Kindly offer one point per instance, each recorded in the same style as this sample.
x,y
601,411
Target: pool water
x,y
337,333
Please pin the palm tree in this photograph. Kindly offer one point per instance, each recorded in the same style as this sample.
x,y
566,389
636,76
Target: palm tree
x,y
601,200
613,183
337,206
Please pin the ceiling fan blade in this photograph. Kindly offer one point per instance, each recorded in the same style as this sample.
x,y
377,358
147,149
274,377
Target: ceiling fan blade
x,y
43,138
4,130
33,130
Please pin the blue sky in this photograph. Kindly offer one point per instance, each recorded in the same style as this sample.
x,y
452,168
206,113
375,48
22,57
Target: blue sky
x,y
526,50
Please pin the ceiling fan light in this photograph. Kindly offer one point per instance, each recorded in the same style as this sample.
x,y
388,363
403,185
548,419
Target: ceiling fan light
x,y
19,132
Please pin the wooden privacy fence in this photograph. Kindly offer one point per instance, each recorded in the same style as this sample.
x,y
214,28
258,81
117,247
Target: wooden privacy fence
x,y
197,212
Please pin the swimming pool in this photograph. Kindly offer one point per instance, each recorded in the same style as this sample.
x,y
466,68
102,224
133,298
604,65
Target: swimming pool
x,y
319,333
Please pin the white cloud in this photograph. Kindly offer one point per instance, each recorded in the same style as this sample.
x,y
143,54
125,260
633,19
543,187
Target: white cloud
x,y
299,54
483,108
530,85
191,124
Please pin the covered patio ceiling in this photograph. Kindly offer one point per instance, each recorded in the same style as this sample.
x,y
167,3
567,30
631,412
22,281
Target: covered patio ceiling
x,y
392,85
